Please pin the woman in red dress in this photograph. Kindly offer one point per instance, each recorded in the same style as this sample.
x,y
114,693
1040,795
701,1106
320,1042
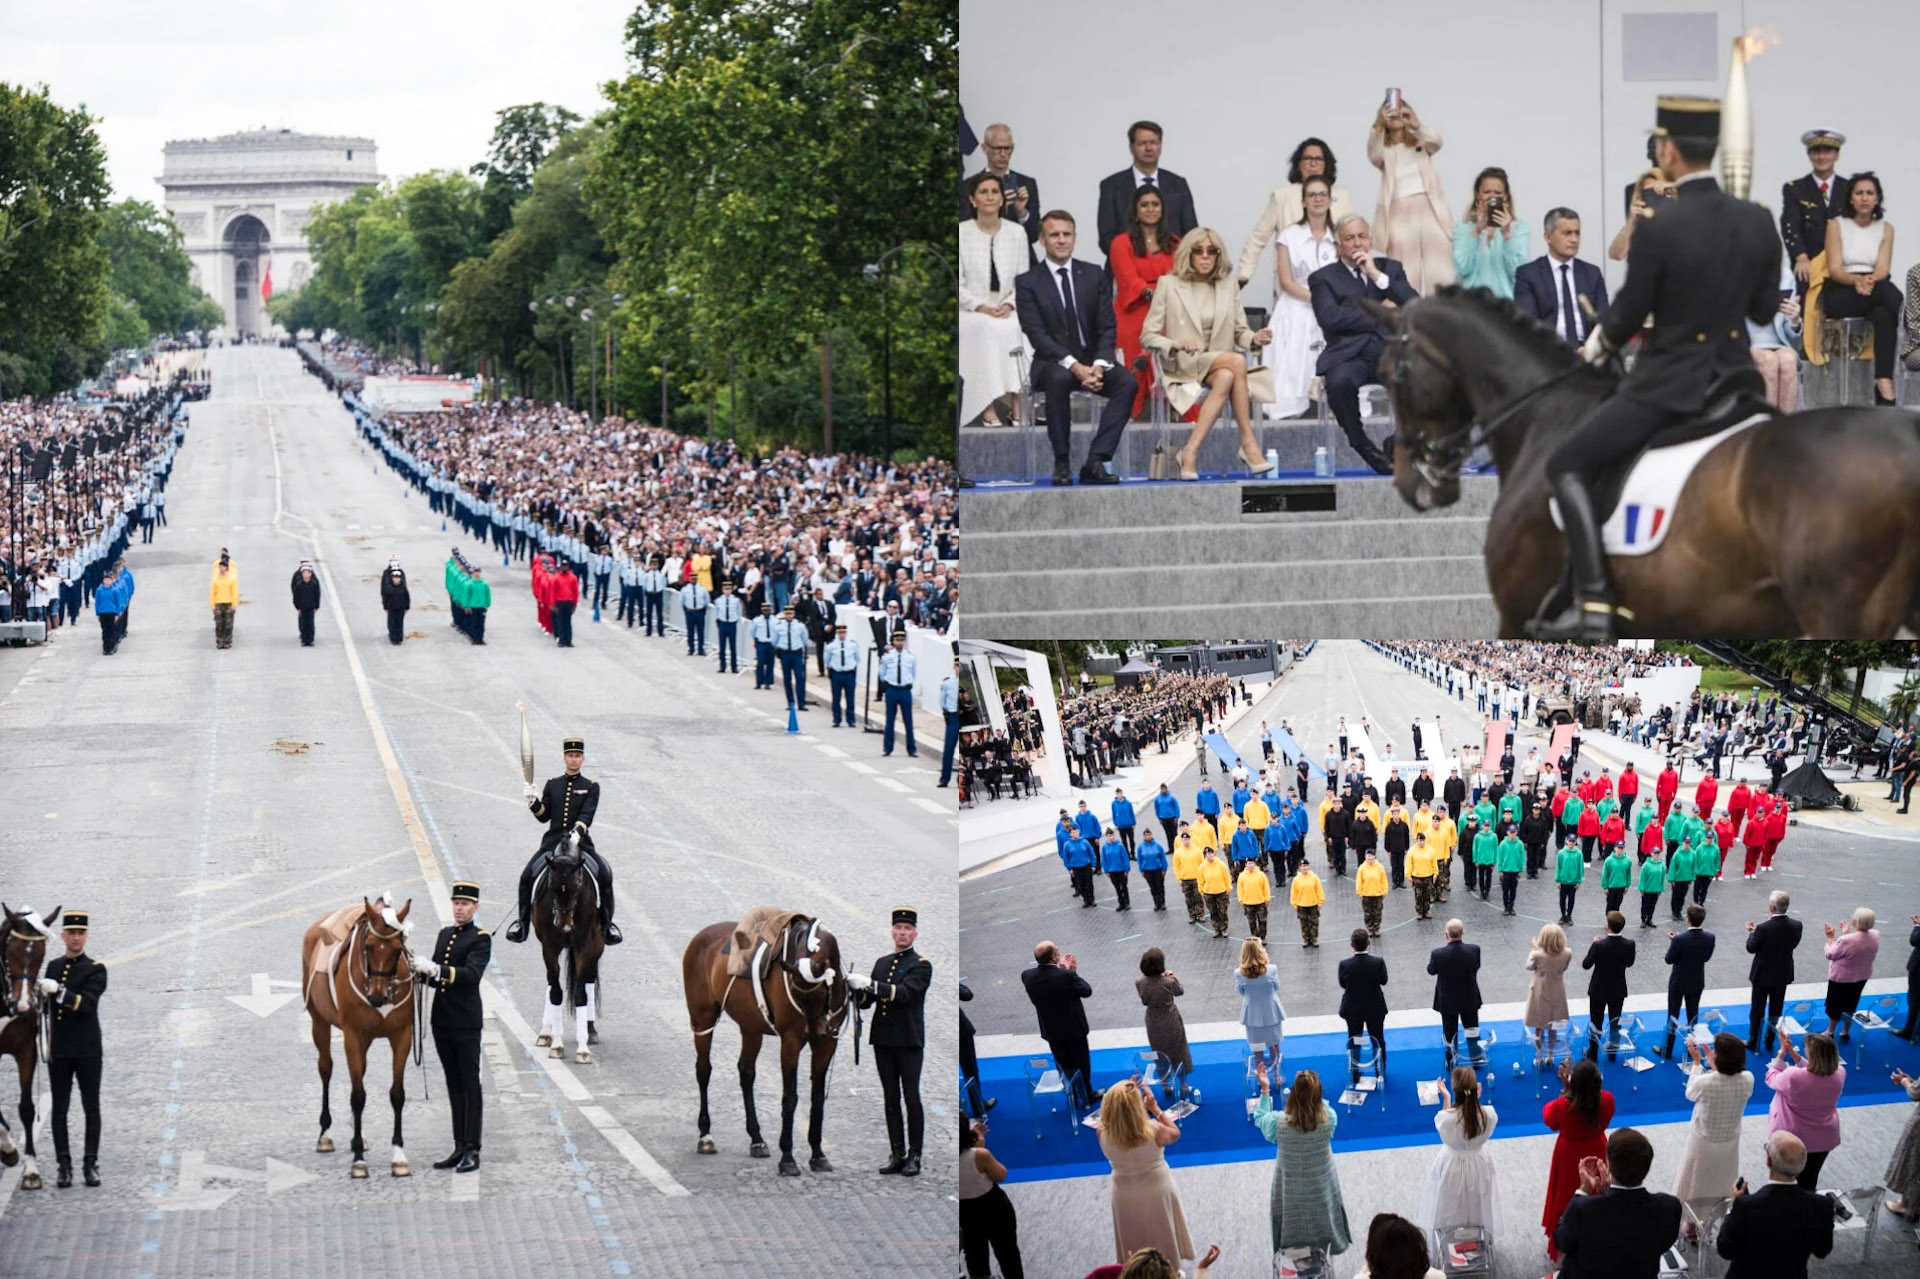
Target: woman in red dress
x,y
1580,1114
1141,255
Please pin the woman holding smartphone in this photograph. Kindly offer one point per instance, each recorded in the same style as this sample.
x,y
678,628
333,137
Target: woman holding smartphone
x,y
1491,242
1650,190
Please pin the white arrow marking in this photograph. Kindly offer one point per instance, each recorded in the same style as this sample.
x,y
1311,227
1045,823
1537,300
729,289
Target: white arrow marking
x,y
262,1002
193,1193
281,1176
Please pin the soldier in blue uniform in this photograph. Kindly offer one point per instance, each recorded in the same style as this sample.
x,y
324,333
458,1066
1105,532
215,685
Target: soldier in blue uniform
x,y
459,960
897,673
761,632
843,674
726,626
567,803
790,645
694,599
73,986
897,993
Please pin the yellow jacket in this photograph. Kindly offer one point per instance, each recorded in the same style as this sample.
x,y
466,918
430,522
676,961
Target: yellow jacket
x,y
1228,824
1443,837
1422,823
1186,862
1214,876
223,590
1253,887
1326,806
1257,815
1306,890
1203,836
1421,863
1372,810
1370,880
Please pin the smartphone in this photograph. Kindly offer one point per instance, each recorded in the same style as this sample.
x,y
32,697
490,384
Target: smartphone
x,y
1653,199
1393,100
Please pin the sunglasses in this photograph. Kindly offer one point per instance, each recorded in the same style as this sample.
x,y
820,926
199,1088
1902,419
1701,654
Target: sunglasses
x,y
1207,249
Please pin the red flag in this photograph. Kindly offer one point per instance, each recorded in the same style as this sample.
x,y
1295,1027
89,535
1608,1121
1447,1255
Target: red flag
x,y
266,282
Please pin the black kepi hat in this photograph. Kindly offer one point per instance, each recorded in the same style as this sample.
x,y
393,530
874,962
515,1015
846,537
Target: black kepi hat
x,y
1682,116
573,744
74,919
466,890
906,915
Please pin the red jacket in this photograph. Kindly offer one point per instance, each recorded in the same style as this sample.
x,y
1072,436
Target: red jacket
x,y
1755,835
1704,794
1667,786
1651,840
1629,783
1614,831
1723,832
1559,803
1777,823
1740,800
1602,786
1589,823
563,587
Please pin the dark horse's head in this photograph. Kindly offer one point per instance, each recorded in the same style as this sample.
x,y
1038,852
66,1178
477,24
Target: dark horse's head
x,y
566,888
385,964
1461,368
811,957
24,948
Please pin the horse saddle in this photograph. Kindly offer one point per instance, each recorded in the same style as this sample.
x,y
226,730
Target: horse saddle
x,y
1636,502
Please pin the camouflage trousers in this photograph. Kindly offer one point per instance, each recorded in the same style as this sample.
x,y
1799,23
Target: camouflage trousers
x,y
1445,881
1257,919
1423,895
1370,908
1195,911
1309,924
1217,912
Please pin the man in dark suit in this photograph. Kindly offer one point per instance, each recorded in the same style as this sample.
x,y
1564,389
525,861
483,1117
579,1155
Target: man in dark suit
x,y
1363,1003
1913,984
1809,202
1687,955
1609,957
1022,192
1771,944
1701,268
1355,337
1066,311
1616,1228
970,1061
1117,189
1456,992
1055,986
1769,1233
1550,287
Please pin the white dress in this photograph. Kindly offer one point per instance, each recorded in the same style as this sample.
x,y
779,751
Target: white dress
x,y
1461,1187
1711,1161
987,368
1297,340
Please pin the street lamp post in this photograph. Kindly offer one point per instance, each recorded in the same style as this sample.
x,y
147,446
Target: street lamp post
x,y
877,271
593,346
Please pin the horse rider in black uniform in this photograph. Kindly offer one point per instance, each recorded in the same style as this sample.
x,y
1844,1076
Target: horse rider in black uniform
x,y
567,803
73,986
1702,267
897,993
459,960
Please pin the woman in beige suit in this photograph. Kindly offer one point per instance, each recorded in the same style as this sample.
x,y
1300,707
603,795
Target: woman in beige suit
x,y
1195,324
1547,960
1412,222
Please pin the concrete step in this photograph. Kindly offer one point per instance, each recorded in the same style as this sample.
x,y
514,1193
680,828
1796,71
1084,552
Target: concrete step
x,y
1090,589
1254,539
1427,617
1172,504
997,451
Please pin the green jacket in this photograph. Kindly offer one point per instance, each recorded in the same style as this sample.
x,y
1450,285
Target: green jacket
x,y
1680,865
1570,867
1606,808
1511,855
1616,871
1510,807
1676,825
1570,815
1484,845
1485,811
1653,876
1646,814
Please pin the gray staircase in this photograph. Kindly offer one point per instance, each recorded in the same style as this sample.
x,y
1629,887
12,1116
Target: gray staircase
x,y
1127,561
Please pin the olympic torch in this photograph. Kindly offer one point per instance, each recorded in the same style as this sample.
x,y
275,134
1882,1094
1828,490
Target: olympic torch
x,y
526,745
1736,127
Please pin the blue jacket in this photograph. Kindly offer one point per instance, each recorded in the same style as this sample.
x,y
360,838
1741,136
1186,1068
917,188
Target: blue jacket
x,y
116,597
1245,846
1079,853
1088,825
1208,802
1123,812
1113,856
1279,835
1300,823
1153,854
1166,805
1240,797
1061,834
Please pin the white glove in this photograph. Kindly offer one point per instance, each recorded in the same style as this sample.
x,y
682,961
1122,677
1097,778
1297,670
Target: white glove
x,y
858,981
48,985
430,971
1595,349
533,796
580,828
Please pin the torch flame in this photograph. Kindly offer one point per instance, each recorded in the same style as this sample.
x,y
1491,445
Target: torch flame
x,y
1758,40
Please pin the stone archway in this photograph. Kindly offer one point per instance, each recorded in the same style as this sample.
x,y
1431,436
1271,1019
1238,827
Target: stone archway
x,y
248,243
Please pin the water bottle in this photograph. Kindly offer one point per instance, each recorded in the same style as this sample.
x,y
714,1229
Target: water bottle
x,y
1323,463
1273,461
1486,1090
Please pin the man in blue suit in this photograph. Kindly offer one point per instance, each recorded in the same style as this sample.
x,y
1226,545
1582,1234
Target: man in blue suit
x,y
1355,338
1066,311
1550,287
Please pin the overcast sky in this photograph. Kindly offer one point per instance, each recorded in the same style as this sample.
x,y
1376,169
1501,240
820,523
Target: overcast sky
x,y
422,78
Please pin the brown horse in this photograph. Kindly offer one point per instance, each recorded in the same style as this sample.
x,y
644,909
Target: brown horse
x,y
356,972
795,1000
566,919
23,948
1804,525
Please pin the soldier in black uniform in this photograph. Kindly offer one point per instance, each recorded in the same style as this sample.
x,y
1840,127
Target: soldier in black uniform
x,y
897,992
77,983
567,802
1806,208
1701,269
460,955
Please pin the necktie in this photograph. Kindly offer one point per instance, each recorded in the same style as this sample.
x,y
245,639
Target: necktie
x,y
1148,183
1566,303
1066,300
1823,188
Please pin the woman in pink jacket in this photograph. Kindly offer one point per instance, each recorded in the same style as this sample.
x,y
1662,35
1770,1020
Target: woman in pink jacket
x,y
1849,964
1806,1099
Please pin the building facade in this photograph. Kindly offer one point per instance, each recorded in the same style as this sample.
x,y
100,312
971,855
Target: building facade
x,y
242,202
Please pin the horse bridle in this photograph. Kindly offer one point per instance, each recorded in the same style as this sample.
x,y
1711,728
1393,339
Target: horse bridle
x,y
579,864
788,965
366,960
7,973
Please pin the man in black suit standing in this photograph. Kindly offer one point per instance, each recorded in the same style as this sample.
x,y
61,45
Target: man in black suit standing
x,y
1022,192
1705,265
1609,957
1055,986
1809,202
1769,1233
1363,1003
1356,338
1913,984
1456,992
1117,189
1616,1228
1550,287
1066,311
1771,944
1687,955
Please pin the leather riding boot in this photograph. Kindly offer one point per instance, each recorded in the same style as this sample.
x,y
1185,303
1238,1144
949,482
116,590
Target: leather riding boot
x,y
64,1179
459,1153
469,1161
90,1172
1591,615
896,1164
608,928
517,930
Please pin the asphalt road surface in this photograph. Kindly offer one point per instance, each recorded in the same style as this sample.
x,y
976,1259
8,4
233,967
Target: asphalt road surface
x,y
206,806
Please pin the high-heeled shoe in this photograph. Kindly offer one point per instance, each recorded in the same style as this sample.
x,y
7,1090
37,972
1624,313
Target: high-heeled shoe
x,y
1255,465
1188,465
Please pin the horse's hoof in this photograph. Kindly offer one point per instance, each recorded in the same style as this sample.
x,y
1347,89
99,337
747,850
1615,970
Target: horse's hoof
x,y
324,1146
705,1146
9,1157
556,1051
359,1172
30,1182
820,1163
758,1150
401,1170
788,1168
542,1039
582,1057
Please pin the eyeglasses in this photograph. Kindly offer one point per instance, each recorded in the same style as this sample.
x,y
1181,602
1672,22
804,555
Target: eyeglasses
x,y
1207,249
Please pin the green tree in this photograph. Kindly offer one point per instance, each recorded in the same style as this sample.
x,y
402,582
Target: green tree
x,y
150,269
53,267
1904,700
522,138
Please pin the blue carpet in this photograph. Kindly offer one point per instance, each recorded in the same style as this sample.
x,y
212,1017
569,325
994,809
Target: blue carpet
x,y
1219,1131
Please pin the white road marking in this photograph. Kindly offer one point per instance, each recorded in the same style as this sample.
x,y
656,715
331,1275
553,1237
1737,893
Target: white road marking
x,y
856,766
932,806
899,787
263,1002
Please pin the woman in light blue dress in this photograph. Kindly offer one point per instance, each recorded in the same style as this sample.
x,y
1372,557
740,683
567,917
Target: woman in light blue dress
x,y
1306,1208
1491,242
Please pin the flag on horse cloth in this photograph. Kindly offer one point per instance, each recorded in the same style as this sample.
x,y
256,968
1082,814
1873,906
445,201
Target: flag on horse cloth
x,y
266,282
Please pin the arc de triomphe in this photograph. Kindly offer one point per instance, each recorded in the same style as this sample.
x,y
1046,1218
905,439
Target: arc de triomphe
x,y
243,199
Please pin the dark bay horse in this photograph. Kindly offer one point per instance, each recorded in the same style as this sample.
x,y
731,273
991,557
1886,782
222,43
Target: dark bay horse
x,y
1804,525
566,919
23,949
356,972
806,998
